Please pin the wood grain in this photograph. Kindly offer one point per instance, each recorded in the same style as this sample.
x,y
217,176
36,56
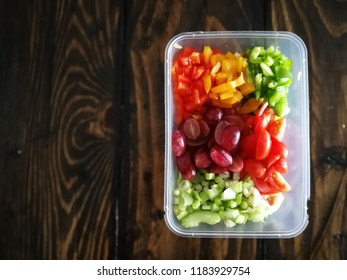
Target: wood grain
x,y
156,22
58,82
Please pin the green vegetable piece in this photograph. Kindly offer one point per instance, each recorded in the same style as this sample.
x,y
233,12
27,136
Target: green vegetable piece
x,y
277,95
269,60
215,207
220,182
187,199
185,184
281,108
241,219
209,176
197,187
195,218
244,204
232,204
204,196
254,54
229,223
213,193
232,214
181,215
196,204
266,69
238,199
228,194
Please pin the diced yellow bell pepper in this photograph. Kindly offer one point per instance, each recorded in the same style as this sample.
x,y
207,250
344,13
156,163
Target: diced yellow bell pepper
x,y
247,88
221,103
229,65
222,87
221,78
215,59
238,82
215,68
250,106
226,94
206,79
207,54
213,95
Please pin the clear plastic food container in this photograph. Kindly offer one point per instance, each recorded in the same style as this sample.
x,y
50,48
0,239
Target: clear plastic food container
x,y
292,218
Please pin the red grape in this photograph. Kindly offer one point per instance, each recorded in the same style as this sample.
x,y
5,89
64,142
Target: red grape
x,y
237,164
235,120
230,137
196,142
191,128
219,131
184,164
202,158
178,143
212,115
204,128
220,156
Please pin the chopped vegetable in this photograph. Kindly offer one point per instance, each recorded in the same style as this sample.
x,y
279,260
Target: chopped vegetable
x,y
228,140
233,203
270,72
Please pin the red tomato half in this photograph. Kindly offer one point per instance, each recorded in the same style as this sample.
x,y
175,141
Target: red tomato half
x,y
279,148
254,168
248,144
277,181
263,146
262,121
262,186
277,129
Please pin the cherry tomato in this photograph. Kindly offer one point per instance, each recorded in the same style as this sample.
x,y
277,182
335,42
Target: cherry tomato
x,y
262,186
277,181
279,148
254,168
277,129
281,165
262,121
248,125
248,144
263,145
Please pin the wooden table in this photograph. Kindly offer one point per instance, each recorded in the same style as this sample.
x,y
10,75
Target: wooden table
x,y
82,127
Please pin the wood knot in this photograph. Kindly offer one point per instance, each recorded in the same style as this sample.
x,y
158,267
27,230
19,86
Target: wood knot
x,y
336,156
104,124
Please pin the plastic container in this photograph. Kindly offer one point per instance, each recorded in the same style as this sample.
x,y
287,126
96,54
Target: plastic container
x,y
292,218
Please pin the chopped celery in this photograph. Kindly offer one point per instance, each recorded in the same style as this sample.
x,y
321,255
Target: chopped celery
x,y
209,176
217,198
195,218
228,194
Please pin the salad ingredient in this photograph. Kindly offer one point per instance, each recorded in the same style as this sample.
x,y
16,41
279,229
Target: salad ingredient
x,y
185,165
269,70
220,156
178,143
228,144
191,128
211,198
213,115
230,137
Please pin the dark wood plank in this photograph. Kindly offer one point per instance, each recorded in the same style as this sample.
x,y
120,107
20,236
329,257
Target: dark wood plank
x,y
58,70
322,25
151,25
